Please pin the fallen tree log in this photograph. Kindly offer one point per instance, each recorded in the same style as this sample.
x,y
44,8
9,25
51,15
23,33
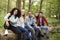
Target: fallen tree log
x,y
10,36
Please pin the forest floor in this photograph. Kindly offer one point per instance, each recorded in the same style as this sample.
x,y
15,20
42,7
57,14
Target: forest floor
x,y
56,34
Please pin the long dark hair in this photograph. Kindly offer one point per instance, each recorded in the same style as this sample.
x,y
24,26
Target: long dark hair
x,y
18,12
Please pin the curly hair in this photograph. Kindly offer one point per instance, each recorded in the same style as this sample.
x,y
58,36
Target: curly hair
x,y
18,12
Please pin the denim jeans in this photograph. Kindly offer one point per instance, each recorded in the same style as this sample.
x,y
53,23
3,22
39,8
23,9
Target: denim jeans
x,y
45,28
32,30
26,33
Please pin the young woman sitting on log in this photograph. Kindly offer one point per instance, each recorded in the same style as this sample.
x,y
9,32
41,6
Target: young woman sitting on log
x,y
11,21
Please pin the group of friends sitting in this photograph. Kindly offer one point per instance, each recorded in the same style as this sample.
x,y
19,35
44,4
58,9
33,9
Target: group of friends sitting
x,y
17,22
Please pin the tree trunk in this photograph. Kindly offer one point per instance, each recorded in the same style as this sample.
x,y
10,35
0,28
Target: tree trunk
x,y
18,4
8,7
23,4
41,5
47,8
29,5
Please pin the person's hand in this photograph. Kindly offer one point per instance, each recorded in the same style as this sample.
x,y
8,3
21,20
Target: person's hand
x,y
7,19
7,24
38,27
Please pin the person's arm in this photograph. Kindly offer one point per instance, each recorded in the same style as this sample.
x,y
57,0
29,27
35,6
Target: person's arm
x,y
6,17
45,21
35,25
7,24
27,22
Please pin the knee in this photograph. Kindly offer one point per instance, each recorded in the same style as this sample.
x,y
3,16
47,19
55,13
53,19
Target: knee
x,y
26,30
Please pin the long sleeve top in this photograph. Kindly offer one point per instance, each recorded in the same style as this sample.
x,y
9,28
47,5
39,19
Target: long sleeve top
x,y
12,19
42,20
20,22
30,21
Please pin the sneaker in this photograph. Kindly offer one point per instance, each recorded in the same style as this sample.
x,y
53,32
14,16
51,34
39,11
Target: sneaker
x,y
6,32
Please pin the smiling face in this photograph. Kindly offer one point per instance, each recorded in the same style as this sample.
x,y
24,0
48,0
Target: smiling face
x,y
36,14
22,12
15,12
40,14
30,14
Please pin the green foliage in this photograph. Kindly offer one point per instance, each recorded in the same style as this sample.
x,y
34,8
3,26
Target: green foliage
x,y
49,7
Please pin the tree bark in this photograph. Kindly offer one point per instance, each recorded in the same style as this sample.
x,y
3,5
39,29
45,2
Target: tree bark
x,y
8,7
29,5
41,5
47,8
18,4
23,4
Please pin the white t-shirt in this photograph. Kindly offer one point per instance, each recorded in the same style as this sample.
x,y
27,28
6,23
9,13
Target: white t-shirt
x,y
41,21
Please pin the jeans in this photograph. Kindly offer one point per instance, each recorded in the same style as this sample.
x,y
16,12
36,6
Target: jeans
x,y
45,28
32,30
16,31
26,33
